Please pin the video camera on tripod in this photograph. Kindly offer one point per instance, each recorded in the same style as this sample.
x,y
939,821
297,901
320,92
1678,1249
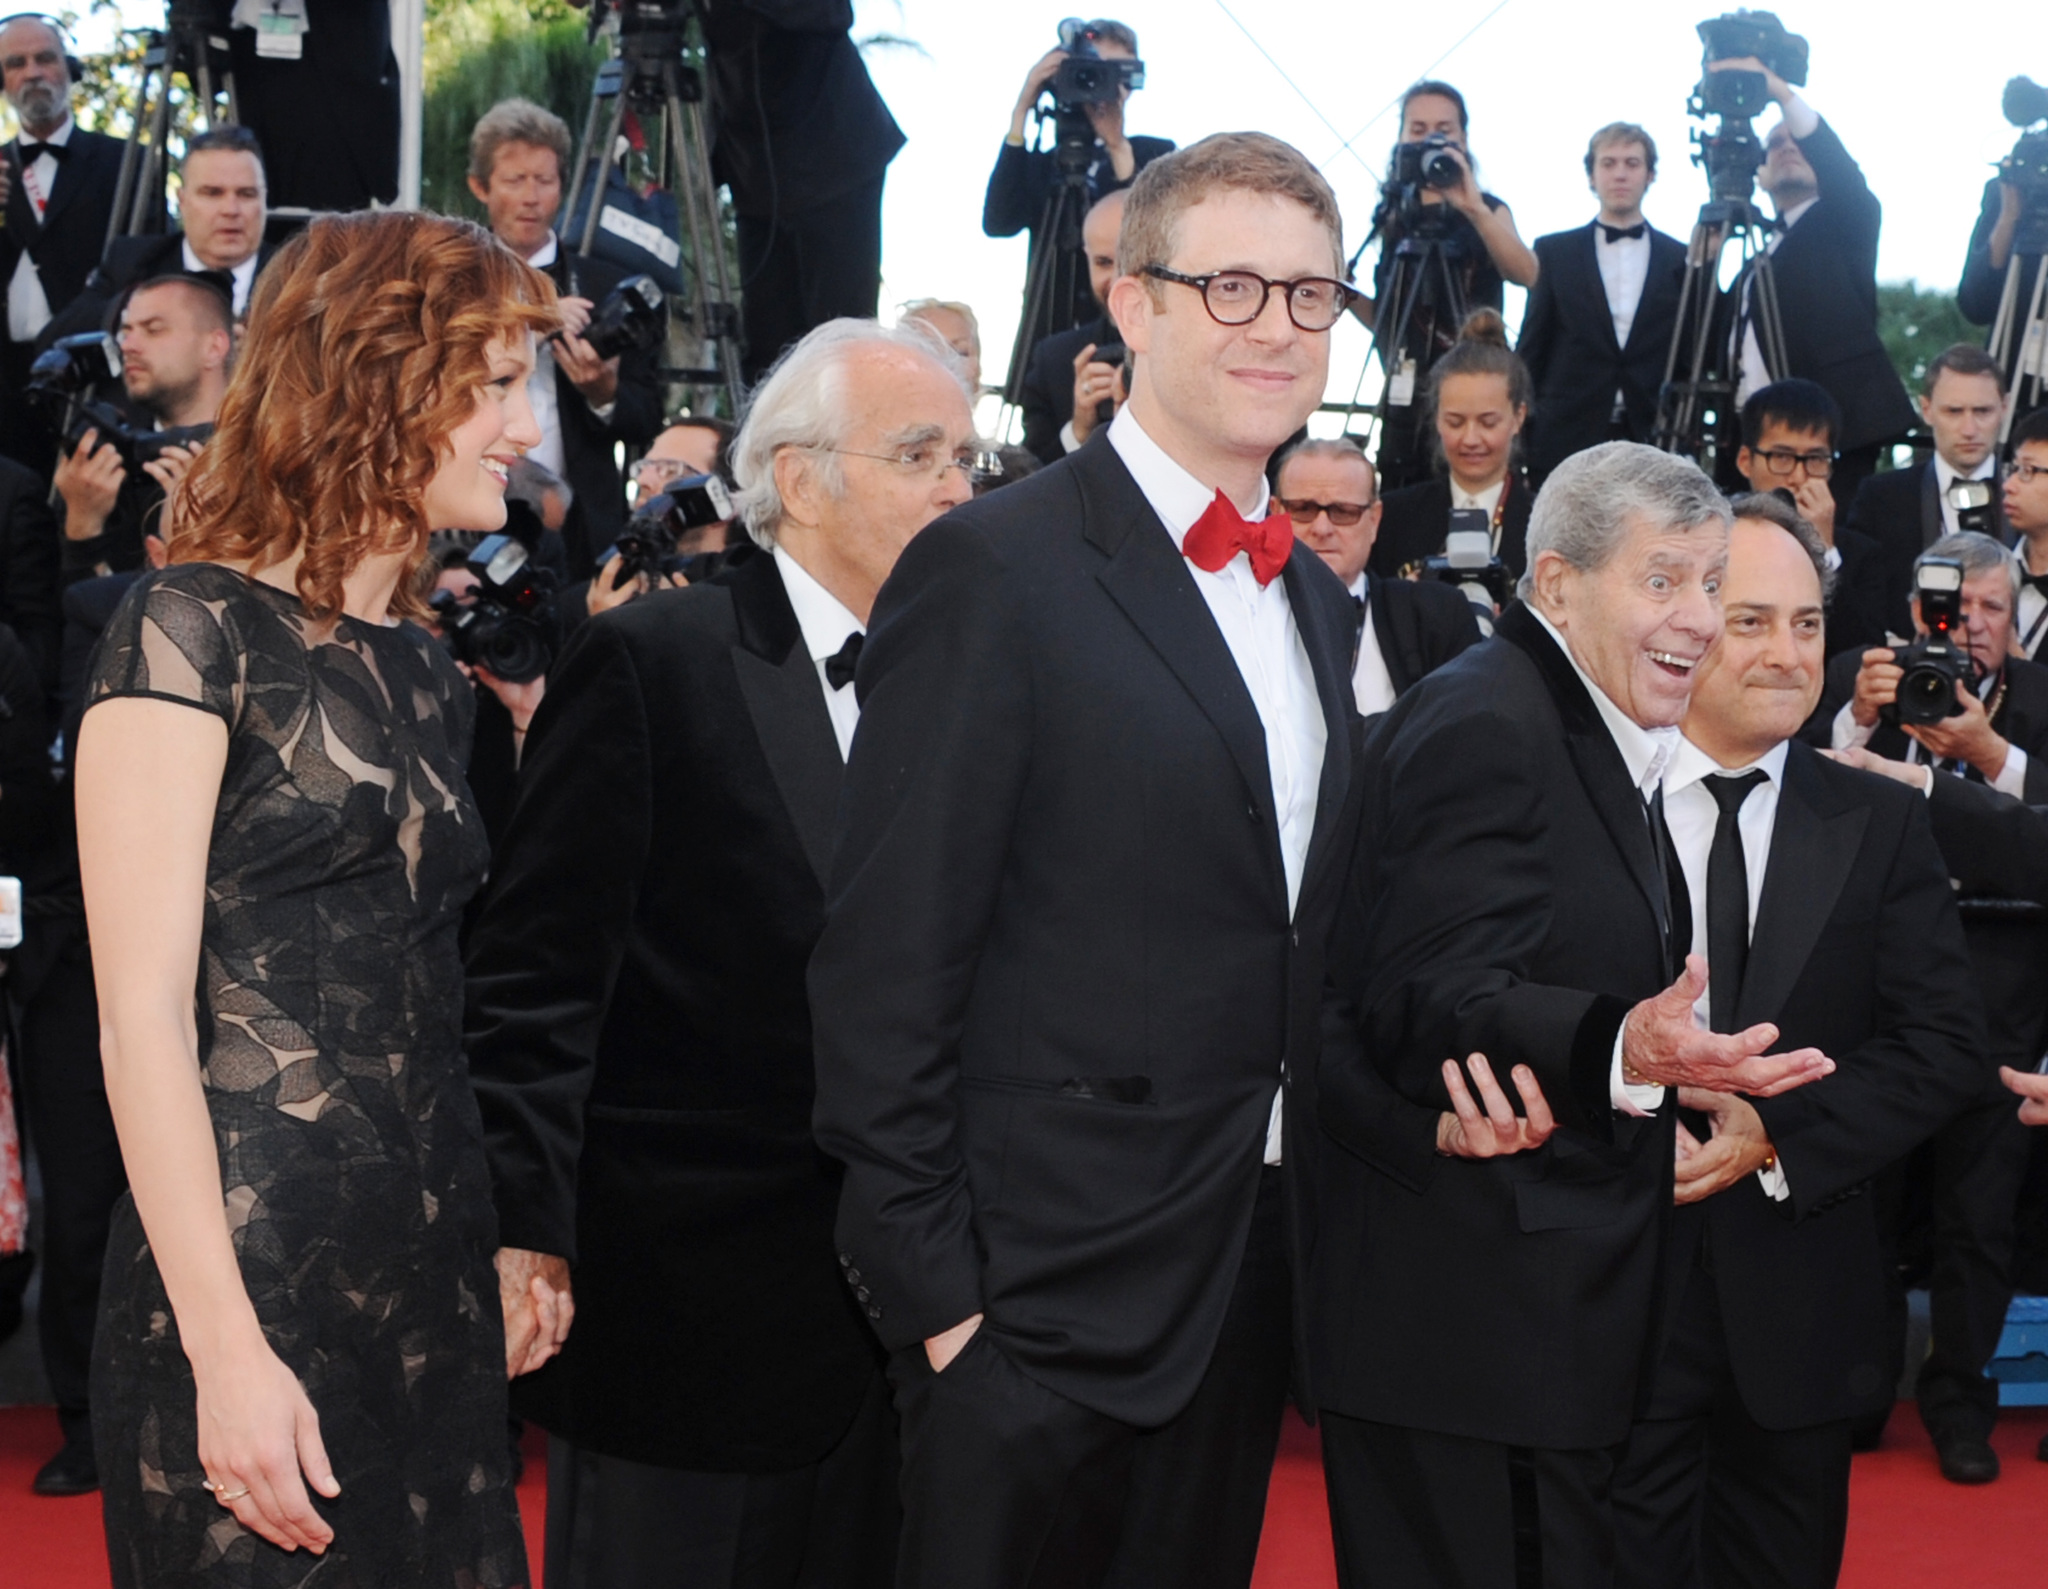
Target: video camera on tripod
x,y
1085,77
2025,104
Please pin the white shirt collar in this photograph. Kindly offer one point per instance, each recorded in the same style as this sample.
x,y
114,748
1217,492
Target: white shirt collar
x,y
1691,765
1790,218
544,256
60,137
821,615
1946,474
1358,585
1485,501
243,273
1644,751
1176,496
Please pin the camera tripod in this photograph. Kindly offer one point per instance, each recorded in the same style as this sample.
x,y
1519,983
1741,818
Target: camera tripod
x,y
649,74
192,45
1696,404
1422,299
1053,275
2019,333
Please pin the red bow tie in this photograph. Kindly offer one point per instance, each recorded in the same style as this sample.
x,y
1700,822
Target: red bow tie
x,y
1222,532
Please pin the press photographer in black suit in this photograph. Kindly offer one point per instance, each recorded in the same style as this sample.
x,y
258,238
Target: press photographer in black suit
x,y
586,405
1963,401
1406,628
638,1030
1479,395
1065,385
1824,259
2024,498
1024,178
1973,1167
1598,327
1481,1330
1991,250
1823,906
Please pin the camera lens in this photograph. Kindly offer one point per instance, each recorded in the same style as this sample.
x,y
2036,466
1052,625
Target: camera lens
x,y
514,650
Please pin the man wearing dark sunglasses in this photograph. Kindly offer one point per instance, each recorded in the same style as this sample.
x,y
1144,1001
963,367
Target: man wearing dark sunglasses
x,y
1406,628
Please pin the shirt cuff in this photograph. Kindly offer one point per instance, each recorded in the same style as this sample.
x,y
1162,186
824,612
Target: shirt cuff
x,y
1801,119
1631,1098
1774,1184
1069,442
1847,733
604,413
2012,777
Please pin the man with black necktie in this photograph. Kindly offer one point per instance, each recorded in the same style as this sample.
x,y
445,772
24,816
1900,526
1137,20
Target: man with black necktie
x,y
1822,905
1068,995
637,1028
2024,497
1406,628
57,185
1481,1330
1600,317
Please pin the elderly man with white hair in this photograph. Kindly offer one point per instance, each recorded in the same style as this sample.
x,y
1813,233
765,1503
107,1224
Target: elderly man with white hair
x,y
638,1029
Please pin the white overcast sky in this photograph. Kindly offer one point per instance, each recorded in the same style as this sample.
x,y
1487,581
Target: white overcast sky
x,y
1915,101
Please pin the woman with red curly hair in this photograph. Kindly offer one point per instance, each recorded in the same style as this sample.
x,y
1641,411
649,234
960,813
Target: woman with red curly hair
x,y
277,841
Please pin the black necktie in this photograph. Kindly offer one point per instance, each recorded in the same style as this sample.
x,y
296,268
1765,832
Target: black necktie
x,y
223,279
1616,233
1677,903
31,152
840,665
1727,901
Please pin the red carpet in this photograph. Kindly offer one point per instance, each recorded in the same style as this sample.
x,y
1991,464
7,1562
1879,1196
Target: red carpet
x,y
1907,1528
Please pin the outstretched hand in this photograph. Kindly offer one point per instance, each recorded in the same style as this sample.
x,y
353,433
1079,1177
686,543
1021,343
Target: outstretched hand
x,y
1662,1044
2033,1090
1468,1134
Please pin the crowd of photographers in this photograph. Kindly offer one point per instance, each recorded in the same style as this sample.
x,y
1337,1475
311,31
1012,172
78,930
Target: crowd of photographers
x,y
1937,570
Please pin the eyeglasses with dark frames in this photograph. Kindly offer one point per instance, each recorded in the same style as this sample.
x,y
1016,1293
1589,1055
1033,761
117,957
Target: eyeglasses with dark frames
x,y
1342,514
1238,297
1785,464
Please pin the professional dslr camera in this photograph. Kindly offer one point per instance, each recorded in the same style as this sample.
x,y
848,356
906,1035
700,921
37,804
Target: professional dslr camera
x,y
1731,153
632,317
648,543
508,626
1468,563
1084,77
1427,163
2026,106
61,383
1933,666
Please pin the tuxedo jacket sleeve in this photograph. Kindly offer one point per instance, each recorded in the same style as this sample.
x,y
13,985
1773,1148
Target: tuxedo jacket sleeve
x,y
1023,178
1992,843
1419,625
1978,293
29,598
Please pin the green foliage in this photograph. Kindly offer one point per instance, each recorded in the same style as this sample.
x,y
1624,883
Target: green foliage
x,y
1915,323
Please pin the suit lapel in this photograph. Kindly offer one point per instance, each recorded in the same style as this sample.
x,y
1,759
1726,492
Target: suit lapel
x,y
1326,648
74,175
22,219
1813,849
1393,626
779,682
1596,286
1931,526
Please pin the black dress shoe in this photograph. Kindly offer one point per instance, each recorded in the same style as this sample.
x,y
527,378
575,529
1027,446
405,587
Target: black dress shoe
x,y
71,1471
1966,1461
2041,1450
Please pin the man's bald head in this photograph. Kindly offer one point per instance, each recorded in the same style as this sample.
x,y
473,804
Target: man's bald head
x,y
1100,228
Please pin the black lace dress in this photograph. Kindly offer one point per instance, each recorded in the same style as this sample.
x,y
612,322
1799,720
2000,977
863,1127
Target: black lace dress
x,y
329,1005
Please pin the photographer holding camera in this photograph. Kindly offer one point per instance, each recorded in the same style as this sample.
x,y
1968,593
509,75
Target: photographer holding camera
x,y
177,340
1025,178
1074,382
2013,219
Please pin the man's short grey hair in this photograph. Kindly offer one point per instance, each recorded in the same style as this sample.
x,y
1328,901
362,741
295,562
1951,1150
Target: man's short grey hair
x,y
801,404
1771,508
1328,447
1587,506
1979,554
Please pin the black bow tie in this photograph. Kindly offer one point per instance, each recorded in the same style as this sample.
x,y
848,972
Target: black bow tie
x,y
1616,233
2038,581
30,152
840,665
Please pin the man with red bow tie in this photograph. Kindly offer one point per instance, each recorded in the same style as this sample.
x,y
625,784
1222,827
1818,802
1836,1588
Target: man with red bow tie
x,y
1067,999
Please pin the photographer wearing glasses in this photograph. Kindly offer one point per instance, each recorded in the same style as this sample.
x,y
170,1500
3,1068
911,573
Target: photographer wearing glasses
x,y
2025,497
1788,448
1406,628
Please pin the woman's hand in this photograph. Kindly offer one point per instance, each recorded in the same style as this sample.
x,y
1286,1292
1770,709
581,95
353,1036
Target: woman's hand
x,y
257,1433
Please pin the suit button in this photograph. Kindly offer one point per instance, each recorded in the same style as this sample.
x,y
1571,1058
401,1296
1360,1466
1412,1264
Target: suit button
x,y
1252,812
861,1292
1295,936
853,1277
845,1260
873,1311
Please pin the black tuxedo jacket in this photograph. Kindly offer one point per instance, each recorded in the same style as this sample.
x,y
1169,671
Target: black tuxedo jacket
x,y
1900,509
66,242
640,1041
128,260
1826,270
1858,605
1981,287
1507,899
1568,343
29,558
1048,395
1417,518
1994,845
1023,179
589,461
1856,951
1059,981
1420,625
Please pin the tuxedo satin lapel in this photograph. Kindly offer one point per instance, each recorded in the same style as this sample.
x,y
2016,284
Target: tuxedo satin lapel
x,y
21,214
75,174
1932,526
1813,848
779,682
1594,755
1324,645
1596,289
1660,287
1394,631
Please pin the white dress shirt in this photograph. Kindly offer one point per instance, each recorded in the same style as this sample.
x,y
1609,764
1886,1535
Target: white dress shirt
x,y
1372,686
1848,734
825,623
1624,267
1645,753
244,276
1803,120
28,306
1258,626
2030,613
540,385
1692,814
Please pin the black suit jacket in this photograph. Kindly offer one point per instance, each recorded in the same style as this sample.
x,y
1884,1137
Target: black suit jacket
x,y
1506,899
589,462
1048,395
1826,271
1568,343
66,242
1977,294
1856,951
128,260
1023,179
29,558
1858,608
640,1042
1059,980
1900,509
1994,845
1417,518
1419,625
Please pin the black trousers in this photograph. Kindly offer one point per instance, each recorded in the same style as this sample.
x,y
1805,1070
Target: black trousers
x,y
798,271
614,1524
71,1132
1008,1485
1413,1509
1705,1496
